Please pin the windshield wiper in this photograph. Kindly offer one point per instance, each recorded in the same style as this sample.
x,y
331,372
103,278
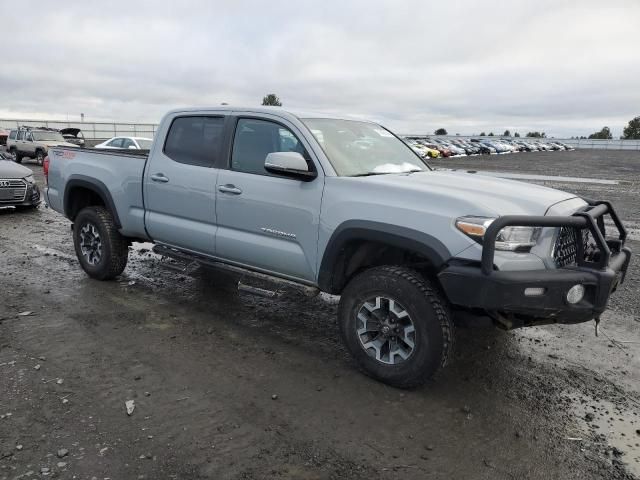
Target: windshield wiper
x,y
369,174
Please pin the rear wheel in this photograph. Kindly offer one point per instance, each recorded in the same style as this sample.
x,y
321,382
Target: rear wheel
x,y
396,325
39,157
100,248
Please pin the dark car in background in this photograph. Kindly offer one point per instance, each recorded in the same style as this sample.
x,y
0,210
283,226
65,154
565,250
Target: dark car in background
x,y
73,135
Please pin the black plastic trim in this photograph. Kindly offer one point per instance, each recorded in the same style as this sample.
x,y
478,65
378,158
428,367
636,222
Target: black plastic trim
x,y
412,240
95,186
503,291
587,218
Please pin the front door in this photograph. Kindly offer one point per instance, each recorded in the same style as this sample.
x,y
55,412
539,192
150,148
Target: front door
x,y
180,182
265,221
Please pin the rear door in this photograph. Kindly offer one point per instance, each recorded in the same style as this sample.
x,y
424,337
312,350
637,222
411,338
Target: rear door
x,y
20,141
268,222
180,181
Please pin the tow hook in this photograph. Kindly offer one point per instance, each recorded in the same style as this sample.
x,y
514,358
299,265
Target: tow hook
x,y
597,323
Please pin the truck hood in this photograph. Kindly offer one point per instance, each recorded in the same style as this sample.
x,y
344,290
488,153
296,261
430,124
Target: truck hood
x,y
9,169
485,195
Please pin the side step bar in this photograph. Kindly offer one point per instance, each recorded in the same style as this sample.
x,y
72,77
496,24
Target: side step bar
x,y
306,290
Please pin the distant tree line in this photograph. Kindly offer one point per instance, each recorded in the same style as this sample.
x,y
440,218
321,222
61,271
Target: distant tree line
x,y
630,132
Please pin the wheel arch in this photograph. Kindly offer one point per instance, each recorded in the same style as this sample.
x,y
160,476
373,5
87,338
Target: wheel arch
x,y
81,191
357,243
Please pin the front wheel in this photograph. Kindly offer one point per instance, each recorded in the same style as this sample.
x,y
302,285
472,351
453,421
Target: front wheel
x,y
396,325
16,156
100,248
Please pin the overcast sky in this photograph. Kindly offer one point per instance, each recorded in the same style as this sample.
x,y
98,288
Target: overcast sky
x,y
565,67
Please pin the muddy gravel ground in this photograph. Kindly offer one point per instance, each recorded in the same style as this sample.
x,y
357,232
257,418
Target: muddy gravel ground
x,y
230,385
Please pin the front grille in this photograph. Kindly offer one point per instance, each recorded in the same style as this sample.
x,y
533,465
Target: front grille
x,y
565,250
12,190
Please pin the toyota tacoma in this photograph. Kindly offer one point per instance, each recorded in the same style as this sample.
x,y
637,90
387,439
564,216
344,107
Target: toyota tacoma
x,y
345,207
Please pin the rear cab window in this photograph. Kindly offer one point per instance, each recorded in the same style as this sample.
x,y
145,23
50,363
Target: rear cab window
x,y
195,140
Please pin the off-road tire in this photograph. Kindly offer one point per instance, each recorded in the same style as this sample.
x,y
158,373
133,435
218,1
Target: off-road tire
x,y
429,313
115,248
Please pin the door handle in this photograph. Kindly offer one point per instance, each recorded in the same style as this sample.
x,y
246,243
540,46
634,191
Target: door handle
x,y
232,189
159,177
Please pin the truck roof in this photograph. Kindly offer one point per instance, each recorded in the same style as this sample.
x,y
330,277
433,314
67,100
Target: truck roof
x,y
280,111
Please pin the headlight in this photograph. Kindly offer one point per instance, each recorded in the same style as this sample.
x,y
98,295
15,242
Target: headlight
x,y
513,239
30,179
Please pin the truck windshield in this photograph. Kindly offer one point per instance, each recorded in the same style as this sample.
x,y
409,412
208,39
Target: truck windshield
x,y
48,136
361,148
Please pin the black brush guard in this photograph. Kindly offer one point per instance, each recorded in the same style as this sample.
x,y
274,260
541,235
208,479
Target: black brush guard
x,y
486,290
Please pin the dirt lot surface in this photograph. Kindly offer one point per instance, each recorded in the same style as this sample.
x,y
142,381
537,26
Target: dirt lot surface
x,y
230,385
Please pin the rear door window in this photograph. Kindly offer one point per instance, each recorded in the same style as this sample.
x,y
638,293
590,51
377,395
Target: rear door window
x,y
116,143
195,140
13,134
127,142
21,135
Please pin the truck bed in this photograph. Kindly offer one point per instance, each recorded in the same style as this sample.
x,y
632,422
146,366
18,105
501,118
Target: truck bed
x,y
117,174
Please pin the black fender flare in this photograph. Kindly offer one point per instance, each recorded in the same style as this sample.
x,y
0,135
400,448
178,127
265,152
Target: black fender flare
x,y
97,187
402,237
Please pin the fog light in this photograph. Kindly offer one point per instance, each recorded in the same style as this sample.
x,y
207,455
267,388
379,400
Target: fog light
x,y
534,291
575,294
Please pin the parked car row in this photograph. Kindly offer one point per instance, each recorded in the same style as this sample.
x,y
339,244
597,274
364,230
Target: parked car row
x,y
128,143
34,142
433,147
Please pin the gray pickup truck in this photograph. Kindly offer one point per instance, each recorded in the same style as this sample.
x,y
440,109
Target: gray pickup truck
x,y
345,207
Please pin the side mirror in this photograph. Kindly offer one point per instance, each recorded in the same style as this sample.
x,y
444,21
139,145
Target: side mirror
x,y
289,164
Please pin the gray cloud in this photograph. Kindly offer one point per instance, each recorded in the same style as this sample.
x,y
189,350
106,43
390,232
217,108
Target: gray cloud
x,y
561,66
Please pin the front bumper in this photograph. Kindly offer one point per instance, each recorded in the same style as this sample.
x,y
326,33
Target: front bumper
x,y
32,197
501,294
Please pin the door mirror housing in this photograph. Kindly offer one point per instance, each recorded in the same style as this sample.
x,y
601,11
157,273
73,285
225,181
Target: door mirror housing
x,y
289,164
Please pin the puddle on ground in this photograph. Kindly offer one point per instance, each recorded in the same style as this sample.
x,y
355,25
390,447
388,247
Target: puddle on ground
x,y
53,252
617,426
